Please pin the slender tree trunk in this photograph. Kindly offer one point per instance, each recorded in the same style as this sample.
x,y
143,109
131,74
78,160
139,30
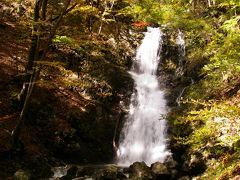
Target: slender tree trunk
x,y
32,53
35,36
18,128
44,9
29,84
102,18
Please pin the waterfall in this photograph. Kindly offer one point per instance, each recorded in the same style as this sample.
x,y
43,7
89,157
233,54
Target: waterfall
x,y
143,136
181,52
181,57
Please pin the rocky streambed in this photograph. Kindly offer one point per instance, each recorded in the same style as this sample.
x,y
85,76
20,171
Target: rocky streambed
x,y
138,170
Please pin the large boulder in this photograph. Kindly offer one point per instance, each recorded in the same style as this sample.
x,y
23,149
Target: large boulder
x,y
139,170
160,170
21,175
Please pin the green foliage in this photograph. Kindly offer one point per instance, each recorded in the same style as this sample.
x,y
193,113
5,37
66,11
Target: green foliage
x,y
215,131
231,25
223,70
62,39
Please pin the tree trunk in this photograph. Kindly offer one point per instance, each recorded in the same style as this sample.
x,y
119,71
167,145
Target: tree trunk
x,y
32,77
102,18
32,55
16,132
44,9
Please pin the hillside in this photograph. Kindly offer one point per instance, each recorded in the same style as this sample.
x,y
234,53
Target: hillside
x,y
75,104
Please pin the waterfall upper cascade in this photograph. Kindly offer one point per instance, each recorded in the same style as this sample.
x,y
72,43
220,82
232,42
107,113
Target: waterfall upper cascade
x,y
181,52
143,136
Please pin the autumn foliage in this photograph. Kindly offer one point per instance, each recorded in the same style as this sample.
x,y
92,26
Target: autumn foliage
x,y
140,24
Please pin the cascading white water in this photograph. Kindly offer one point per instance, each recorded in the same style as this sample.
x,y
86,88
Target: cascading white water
x,y
181,43
181,52
144,134
181,55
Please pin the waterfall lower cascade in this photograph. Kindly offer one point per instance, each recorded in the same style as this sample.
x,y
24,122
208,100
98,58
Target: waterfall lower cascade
x,y
143,136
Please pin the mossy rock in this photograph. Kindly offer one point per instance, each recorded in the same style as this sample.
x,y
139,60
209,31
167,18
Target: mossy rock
x,y
139,170
21,175
160,170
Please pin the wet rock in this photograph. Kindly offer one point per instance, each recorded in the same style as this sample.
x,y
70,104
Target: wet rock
x,y
139,170
160,170
21,175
